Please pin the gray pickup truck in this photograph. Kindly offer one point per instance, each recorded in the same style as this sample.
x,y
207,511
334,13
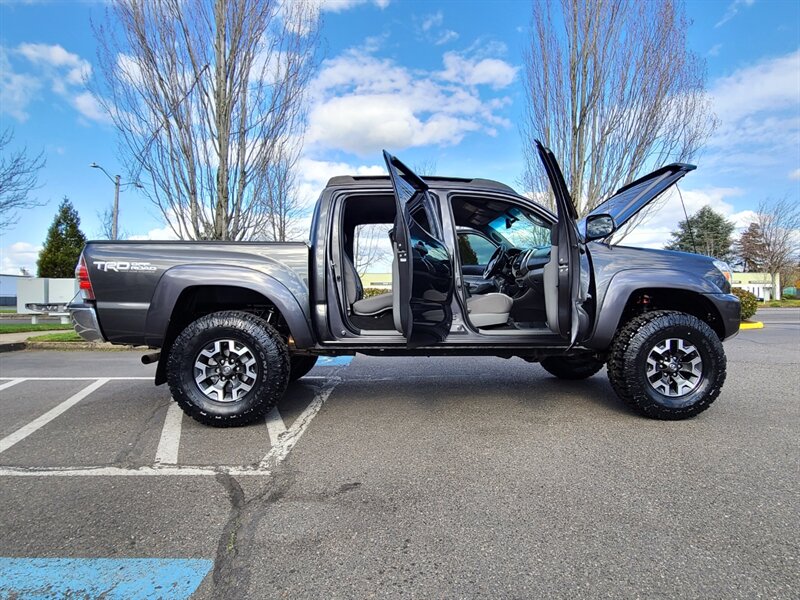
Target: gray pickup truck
x,y
477,269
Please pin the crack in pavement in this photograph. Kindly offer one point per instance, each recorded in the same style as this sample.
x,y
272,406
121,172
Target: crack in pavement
x,y
231,573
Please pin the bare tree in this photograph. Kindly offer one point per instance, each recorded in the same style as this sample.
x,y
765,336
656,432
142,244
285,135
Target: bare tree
x,y
106,229
425,167
778,223
19,175
281,209
205,95
613,90
371,246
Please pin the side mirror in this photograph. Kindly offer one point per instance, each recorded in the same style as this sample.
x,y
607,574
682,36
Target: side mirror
x,y
599,226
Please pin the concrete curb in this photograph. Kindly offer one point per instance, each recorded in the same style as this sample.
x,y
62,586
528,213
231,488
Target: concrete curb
x,y
69,346
751,325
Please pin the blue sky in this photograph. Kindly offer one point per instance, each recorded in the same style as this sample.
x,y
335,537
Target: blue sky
x,y
451,70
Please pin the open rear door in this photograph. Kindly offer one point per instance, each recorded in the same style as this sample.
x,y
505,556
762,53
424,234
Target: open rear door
x,y
566,287
424,286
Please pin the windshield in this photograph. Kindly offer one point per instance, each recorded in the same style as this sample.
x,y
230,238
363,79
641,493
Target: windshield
x,y
520,229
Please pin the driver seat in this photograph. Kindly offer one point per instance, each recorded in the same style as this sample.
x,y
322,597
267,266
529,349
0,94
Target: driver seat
x,y
489,309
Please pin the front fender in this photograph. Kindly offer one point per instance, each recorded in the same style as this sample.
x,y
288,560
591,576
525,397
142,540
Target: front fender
x,y
624,283
177,279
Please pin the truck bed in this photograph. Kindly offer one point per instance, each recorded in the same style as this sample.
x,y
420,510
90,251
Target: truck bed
x,y
125,275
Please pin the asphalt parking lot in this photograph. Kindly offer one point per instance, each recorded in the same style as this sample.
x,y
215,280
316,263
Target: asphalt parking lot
x,y
426,478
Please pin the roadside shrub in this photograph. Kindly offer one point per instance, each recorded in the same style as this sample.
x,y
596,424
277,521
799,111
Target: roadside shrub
x,y
748,300
370,292
774,304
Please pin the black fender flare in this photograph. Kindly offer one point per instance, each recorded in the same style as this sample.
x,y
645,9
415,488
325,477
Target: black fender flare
x,y
625,283
177,279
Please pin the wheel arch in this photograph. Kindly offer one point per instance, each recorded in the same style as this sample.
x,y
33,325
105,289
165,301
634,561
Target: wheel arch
x,y
185,293
631,293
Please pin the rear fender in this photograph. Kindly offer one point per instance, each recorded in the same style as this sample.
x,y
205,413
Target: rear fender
x,y
174,281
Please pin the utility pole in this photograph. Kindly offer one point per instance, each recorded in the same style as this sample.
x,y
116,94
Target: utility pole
x,y
115,216
117,185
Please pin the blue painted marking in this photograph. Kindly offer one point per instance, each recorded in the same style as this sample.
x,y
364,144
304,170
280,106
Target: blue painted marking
x,y
333,361
123,578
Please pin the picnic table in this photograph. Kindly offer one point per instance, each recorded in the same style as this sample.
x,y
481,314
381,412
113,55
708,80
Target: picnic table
x,y
55,309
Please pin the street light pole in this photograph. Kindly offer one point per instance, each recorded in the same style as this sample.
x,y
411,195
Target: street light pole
x,y
117,184
115,216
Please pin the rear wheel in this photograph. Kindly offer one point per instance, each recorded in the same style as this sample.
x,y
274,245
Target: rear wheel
x,y
228,368
571,367
667,365
301,365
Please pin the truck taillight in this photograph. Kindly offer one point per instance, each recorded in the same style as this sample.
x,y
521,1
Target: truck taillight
x,y
84,283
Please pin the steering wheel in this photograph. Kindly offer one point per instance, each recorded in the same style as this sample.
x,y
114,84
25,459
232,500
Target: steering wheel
x,y
497,262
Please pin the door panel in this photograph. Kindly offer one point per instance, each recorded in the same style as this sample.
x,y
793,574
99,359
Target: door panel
x,y
425,267
567,317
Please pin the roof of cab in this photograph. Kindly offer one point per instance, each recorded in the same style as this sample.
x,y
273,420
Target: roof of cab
x,y
434,182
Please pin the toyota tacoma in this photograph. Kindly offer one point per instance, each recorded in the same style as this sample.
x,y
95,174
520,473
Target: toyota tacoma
x,y
477,269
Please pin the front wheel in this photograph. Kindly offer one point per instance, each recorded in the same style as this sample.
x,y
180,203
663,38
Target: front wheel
x,y
228,368
667,365
571,367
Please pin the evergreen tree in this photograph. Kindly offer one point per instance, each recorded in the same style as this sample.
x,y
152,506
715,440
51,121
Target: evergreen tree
x,y
706,232
750,248
63,245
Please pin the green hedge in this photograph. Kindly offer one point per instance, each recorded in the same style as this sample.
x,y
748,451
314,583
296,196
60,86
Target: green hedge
x,y
749,302
370,292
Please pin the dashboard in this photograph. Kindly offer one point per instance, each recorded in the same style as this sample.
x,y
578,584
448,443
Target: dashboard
x,y
531,261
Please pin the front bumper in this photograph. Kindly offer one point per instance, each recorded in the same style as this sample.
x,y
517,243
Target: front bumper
x,y
84,320
730,310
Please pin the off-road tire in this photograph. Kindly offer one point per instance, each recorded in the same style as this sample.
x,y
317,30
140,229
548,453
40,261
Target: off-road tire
x,y
571,367
272,361
301,365
627,368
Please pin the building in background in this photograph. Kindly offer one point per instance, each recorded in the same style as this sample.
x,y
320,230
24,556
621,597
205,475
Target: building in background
x,y
381,281
8,289
759,284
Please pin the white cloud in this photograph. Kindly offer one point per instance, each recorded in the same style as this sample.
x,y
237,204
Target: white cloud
x,y
445,37
429,27
489,71
159,233
342,5
18,255
732,10
431,21
87,104
65,72
757,106
361,103
313,175
655,231
795,175
17,90
714,50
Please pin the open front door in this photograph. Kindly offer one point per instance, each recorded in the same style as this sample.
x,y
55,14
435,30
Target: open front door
x,y
424,276
566,287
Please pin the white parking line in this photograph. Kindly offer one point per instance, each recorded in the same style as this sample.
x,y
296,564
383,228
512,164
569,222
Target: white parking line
x,y
275,425
23,432
170,441
287,441
11,383
78,378
173,470
166,454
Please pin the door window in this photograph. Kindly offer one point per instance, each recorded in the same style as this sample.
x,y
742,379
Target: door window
x,y
474,249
